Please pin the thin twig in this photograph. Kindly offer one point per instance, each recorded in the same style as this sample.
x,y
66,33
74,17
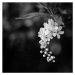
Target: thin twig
x,y
47,9
43,6
54,9
50,10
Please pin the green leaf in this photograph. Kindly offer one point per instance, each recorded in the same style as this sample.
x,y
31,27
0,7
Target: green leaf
x,y
33,15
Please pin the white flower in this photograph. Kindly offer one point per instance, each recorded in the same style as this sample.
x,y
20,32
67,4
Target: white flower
x,y
50,30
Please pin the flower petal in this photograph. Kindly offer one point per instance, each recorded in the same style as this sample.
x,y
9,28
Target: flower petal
x,y
58,36
61,32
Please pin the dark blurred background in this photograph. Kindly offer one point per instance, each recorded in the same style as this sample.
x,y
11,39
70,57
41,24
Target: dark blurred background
x,y
21,48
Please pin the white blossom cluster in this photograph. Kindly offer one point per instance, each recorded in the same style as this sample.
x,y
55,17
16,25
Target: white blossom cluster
x,y
46,33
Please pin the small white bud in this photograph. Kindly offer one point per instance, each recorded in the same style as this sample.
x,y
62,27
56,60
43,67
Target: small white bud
x,y
44,55
41,51
50,52
46,49
49,55
45,52
53,60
